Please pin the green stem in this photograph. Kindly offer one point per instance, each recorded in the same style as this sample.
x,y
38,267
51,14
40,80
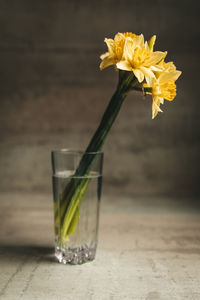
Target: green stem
x,y
73,193
73,206
107,120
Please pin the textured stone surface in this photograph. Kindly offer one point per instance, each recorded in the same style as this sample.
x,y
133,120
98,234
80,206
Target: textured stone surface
x,y
149,249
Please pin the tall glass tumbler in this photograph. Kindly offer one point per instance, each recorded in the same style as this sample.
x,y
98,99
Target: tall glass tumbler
x,y
77,183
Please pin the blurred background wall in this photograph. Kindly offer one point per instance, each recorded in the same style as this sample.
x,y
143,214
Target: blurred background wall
x,y
52,94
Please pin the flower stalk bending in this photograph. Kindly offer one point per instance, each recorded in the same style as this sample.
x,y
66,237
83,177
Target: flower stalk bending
x,y
75,190
140,68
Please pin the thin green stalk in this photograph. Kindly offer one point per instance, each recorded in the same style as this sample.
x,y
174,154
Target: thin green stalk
x,y
73,193
73,205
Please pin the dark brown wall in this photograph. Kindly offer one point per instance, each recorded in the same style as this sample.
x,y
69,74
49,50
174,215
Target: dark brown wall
x,y
53,94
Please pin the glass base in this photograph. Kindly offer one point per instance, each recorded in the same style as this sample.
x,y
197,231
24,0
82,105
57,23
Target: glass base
x,y
75,256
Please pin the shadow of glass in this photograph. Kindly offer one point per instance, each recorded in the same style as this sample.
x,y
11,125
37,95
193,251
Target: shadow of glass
x,y
27,252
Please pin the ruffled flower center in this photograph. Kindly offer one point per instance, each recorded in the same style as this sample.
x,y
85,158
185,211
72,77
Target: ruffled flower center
x,y
129,34
168,90
139,57
119,48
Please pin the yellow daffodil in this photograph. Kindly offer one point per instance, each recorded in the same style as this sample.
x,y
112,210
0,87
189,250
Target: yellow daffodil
x,y
140,60
142,69
116,48
129,52
164,87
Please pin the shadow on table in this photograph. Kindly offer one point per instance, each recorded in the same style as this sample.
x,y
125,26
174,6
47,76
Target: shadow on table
x,y
27,252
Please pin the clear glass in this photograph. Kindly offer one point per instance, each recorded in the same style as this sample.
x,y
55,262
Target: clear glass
x,y
78,244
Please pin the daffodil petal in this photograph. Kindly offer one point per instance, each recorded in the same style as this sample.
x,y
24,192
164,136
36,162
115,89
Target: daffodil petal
x,y
156,89
155,58
151,43
111,45
156,106
149,75
128,49
139,40
118,36
155,111
161,100
169,66
104,55
138,74
166,76
124,65
146,46
156,68
106,62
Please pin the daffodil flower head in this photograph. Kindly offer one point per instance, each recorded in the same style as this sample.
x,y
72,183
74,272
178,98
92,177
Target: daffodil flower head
x,y
129,52
164,87
140,60
115,49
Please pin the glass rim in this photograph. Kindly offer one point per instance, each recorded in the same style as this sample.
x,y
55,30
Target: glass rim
x,y
75,151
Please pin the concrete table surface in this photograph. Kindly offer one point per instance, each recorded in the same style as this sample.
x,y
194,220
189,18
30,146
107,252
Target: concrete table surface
x,y
148,249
